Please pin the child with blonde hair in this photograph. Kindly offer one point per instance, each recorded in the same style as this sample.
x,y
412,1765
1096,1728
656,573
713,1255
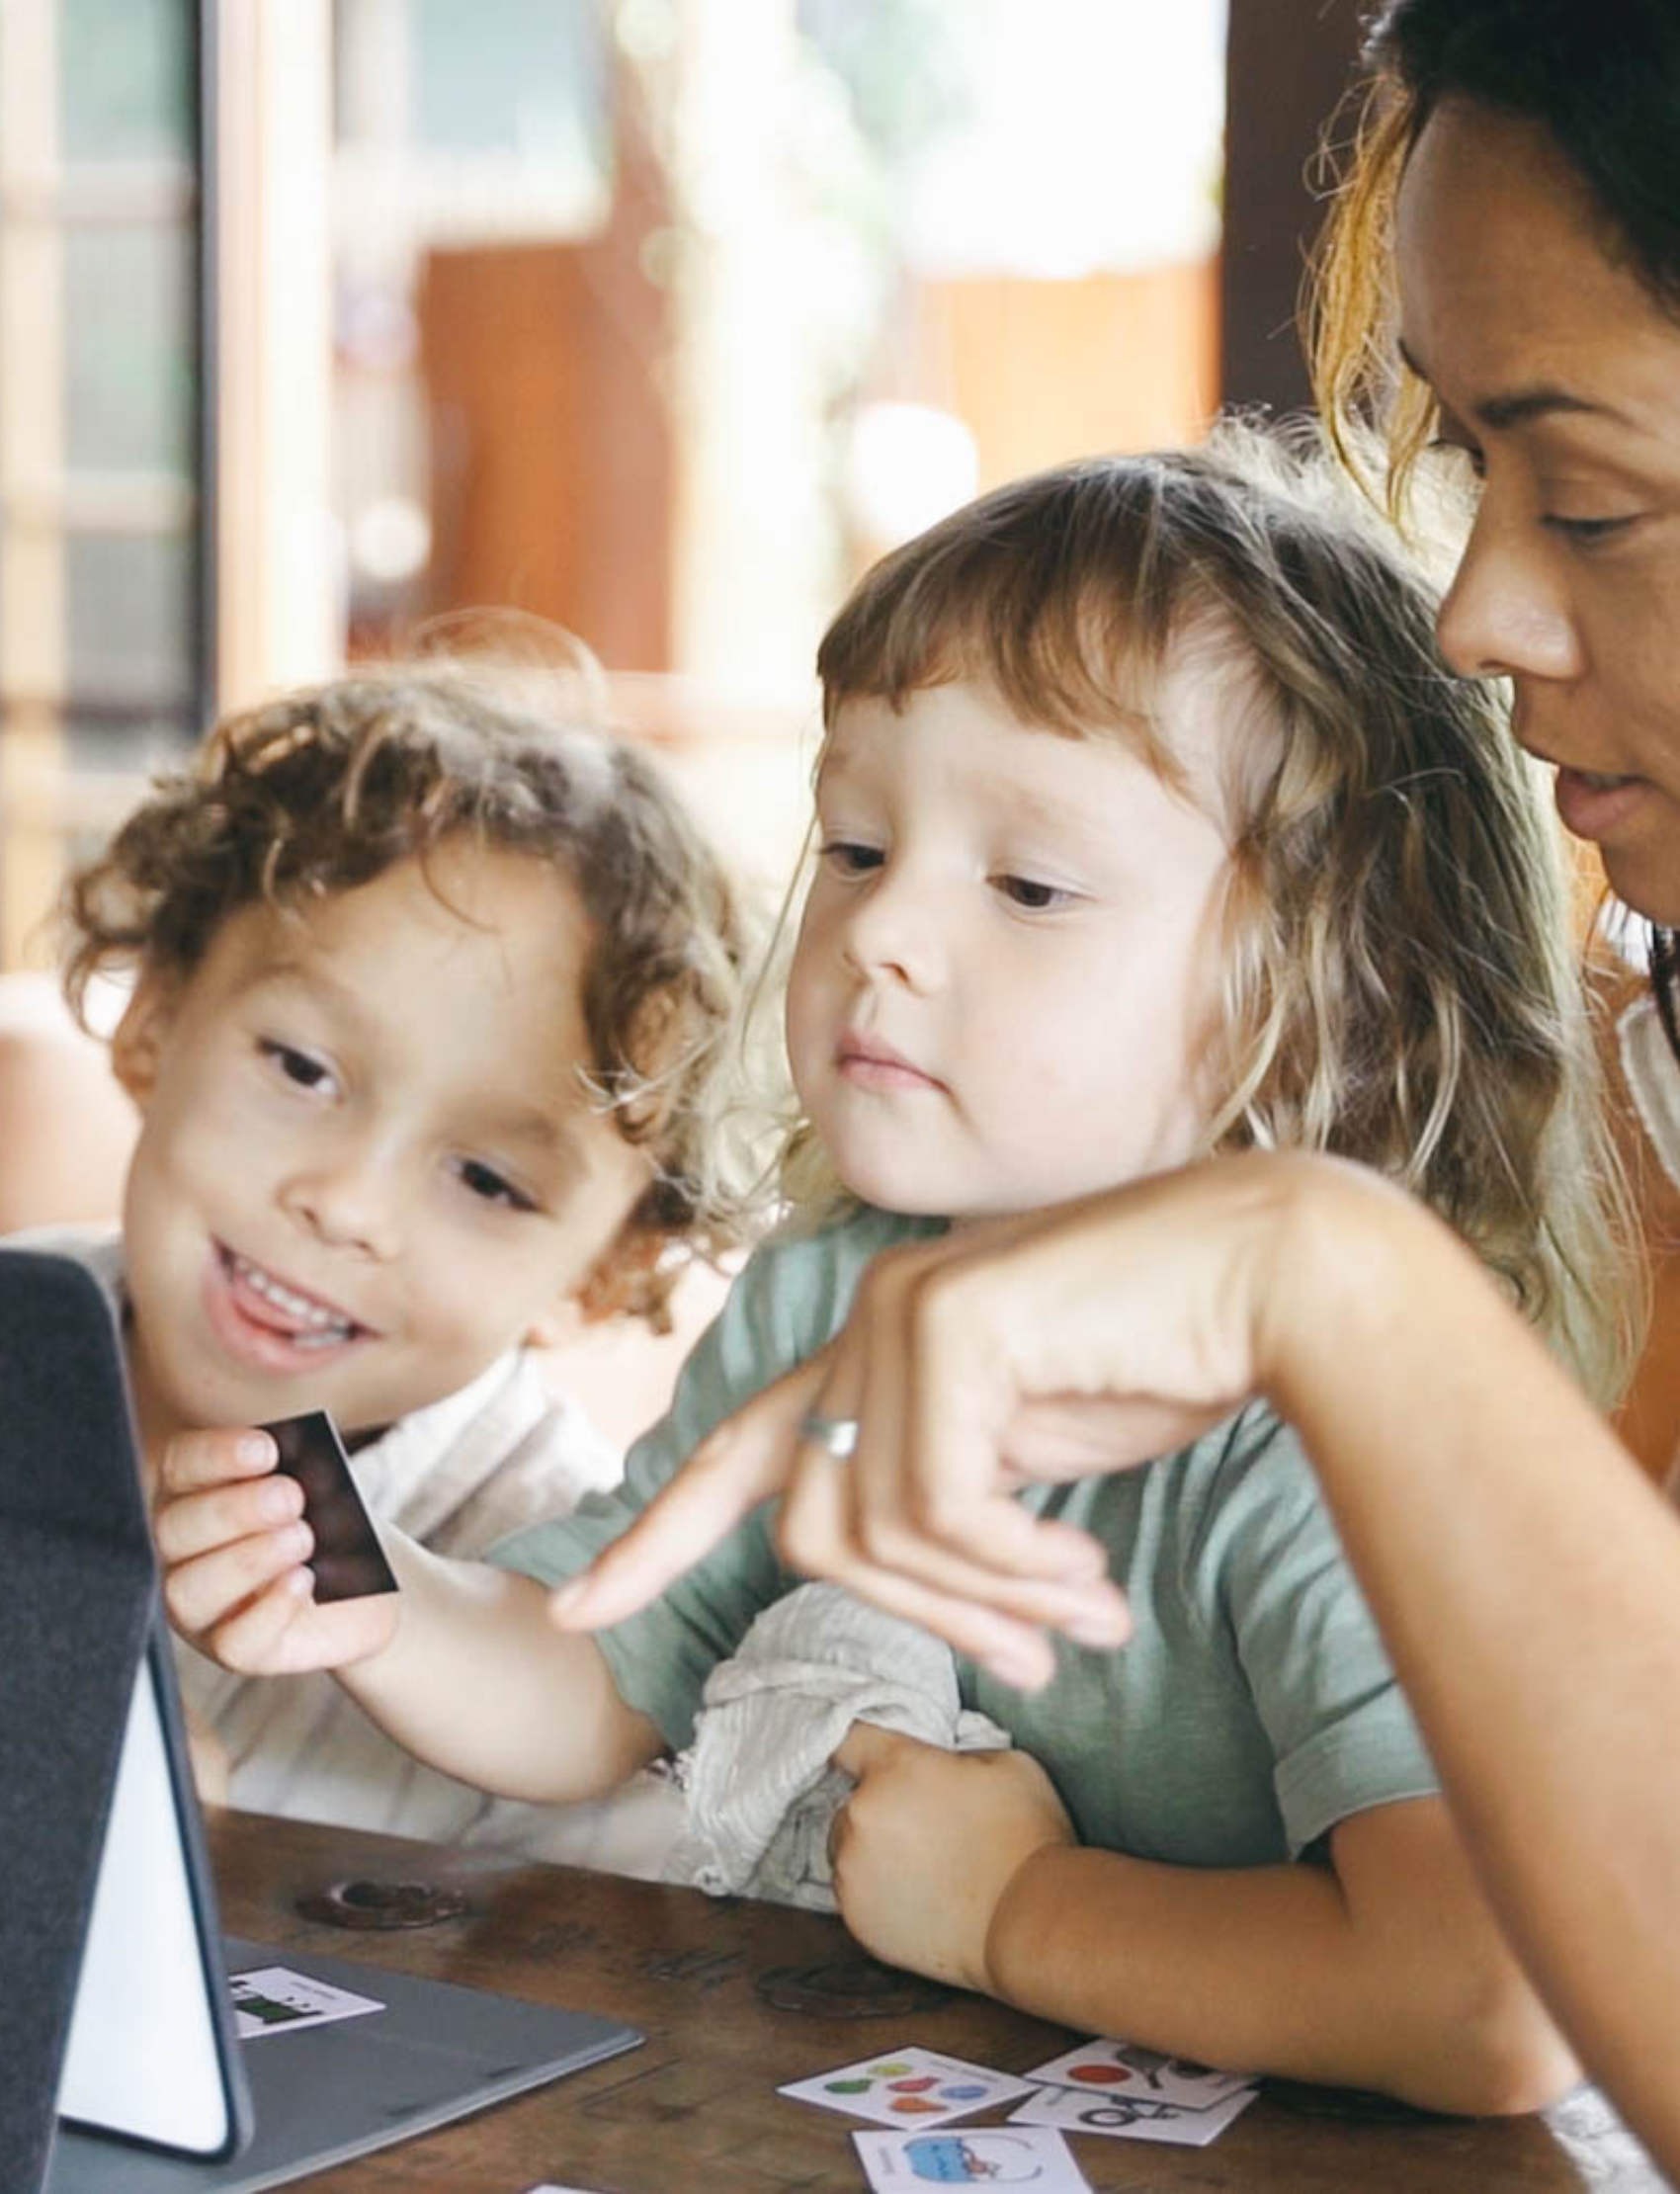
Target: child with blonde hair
x,y
1147,824
429,973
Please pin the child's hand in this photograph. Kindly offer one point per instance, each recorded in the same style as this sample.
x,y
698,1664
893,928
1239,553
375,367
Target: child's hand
x,y
927,1844
232,1537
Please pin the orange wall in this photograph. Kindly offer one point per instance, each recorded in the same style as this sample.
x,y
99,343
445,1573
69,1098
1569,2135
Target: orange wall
x,y
1044,369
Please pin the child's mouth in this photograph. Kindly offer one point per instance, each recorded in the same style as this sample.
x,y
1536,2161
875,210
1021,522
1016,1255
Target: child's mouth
x,y
302,1320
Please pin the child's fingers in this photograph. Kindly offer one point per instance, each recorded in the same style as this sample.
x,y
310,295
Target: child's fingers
x,y
866,1746
201,1592
253,1639
194,1460
194,1523
281,1631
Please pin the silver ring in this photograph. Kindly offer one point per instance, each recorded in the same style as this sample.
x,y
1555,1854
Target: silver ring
x,y
835,1436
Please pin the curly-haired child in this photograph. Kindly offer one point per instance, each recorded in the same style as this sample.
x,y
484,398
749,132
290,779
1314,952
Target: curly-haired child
x,y
429,975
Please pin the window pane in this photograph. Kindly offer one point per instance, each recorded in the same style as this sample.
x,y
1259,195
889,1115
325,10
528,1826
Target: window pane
x,y
130,619
506,74
124,753
126,86
129,349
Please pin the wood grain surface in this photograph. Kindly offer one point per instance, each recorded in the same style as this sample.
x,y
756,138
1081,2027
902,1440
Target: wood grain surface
x,y
737,1998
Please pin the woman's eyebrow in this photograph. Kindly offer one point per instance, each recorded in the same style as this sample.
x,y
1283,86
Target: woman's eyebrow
x,y
1517,407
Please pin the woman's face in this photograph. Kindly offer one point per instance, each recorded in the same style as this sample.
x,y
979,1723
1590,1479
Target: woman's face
x,y
1558,373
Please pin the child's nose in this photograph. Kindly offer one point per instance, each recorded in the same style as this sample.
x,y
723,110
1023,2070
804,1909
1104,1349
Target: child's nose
x,y
892,931
350,1200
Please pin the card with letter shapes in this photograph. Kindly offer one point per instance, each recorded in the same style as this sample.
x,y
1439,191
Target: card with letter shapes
x,y
271,2000
970,2156
909,2087
1071,2111
1106,2068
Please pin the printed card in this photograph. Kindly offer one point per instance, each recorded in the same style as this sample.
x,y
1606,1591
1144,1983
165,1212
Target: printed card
x,y
908,2086
1071,2111
1125,2069
271,2000
974,2155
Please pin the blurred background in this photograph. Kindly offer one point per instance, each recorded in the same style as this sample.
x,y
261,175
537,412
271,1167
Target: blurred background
x,y
656,318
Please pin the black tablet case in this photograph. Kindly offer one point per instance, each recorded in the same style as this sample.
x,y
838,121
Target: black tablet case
x,y
77,1593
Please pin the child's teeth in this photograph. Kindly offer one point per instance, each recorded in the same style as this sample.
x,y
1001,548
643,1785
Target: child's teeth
x,y
328,1324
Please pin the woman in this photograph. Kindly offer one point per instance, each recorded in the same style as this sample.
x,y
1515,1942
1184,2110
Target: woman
x,y
1511,233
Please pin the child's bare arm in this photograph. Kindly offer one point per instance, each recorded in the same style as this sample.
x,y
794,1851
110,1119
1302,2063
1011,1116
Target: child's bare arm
x,y
1382,1970
208,1756
461,1665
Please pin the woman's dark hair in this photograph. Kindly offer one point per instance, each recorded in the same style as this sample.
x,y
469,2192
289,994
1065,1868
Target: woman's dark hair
x,y
1603,78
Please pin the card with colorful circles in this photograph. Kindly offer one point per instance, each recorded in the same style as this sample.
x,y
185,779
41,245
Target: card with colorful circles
x,y
1124,2069
909,2087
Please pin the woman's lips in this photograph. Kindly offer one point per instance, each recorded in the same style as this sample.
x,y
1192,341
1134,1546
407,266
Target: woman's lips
x,y
1595,807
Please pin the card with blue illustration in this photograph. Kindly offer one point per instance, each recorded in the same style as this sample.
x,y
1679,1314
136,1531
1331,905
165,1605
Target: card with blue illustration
x,y
970,2156
910,2087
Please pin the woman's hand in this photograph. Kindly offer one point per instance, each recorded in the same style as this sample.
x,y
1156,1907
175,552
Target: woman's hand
x,y
231,1535
1081,1340
928,1842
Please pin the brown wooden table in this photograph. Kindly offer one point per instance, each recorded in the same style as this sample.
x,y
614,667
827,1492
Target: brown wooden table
x,y
737,1998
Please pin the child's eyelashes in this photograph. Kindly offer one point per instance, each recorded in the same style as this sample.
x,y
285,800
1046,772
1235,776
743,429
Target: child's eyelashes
x,y
850,856
301,1067
491,1187
1033,896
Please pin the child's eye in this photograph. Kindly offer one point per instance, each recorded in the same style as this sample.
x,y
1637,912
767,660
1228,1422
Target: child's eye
x,y
1036,897
850,857
491,1187
298,1066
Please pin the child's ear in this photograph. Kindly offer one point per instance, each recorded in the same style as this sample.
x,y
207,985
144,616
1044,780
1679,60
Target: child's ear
x,y
137,1044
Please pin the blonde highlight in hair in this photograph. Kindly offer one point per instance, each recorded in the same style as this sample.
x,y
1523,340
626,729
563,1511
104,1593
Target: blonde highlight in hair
x,y
1378,415
1399,984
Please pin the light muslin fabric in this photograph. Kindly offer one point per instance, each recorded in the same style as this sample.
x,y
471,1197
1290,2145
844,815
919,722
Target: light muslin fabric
x,y
760,1794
